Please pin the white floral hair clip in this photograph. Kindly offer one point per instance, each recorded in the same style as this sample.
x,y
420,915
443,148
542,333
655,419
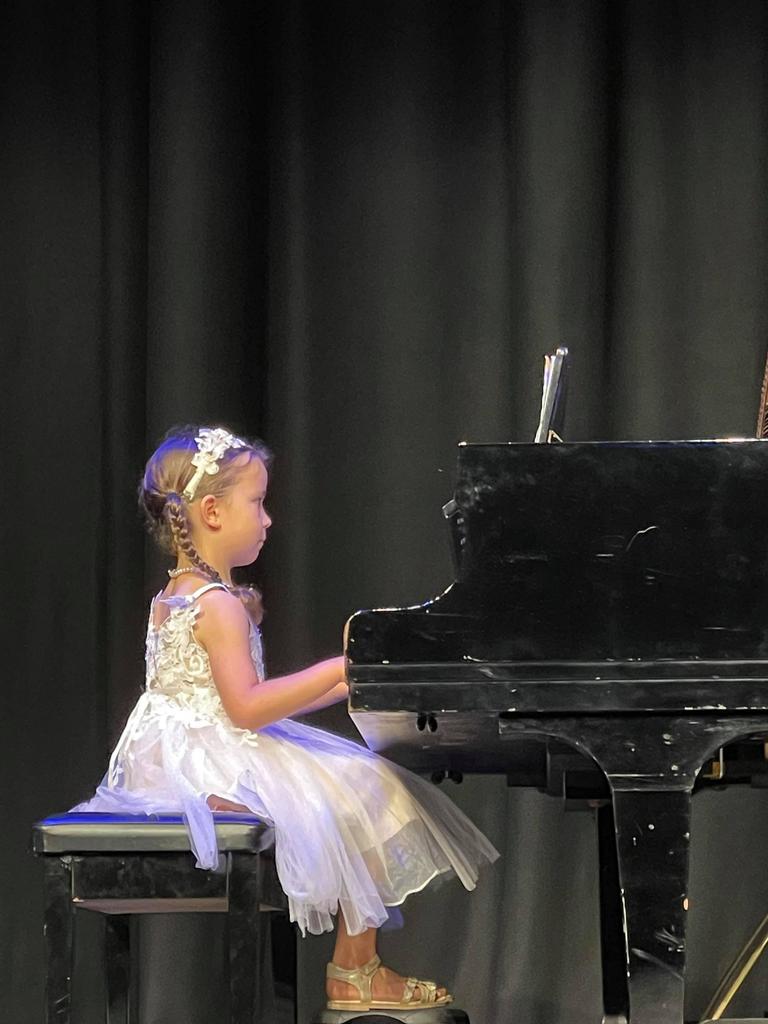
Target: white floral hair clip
x,y
211,445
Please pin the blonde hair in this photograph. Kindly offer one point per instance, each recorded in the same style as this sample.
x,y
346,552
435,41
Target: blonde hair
x,y
168,471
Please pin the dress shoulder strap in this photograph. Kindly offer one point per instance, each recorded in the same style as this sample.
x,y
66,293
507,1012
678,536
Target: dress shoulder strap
x,y
203,590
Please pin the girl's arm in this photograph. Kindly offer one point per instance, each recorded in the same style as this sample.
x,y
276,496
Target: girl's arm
x,y
336,695
223,629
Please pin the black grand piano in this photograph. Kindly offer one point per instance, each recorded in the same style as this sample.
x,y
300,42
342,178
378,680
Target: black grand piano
x,y
605,638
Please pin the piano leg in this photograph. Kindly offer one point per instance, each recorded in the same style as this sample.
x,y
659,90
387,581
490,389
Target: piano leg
x,y
652,836
651,763
615,996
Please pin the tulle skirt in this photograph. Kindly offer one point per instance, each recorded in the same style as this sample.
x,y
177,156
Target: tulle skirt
x,y
353,831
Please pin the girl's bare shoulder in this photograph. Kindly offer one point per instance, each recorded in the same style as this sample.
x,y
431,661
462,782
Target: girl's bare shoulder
x,y
221,619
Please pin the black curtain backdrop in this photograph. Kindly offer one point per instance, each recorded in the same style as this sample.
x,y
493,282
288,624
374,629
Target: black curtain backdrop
x,y
354,229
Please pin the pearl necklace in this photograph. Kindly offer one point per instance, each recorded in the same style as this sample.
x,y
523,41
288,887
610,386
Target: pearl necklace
x,y
173,573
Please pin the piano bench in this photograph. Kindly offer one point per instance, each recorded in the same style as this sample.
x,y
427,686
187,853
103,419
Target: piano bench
x,y
119,865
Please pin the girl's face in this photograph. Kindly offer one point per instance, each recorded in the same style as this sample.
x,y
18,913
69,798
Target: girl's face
x,y
244,517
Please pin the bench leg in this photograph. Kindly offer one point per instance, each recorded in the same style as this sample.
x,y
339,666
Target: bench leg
x,y
262,948
117,965
246,942
283,941
58,932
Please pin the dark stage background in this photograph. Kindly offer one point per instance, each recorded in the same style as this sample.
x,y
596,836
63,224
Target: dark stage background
x,y
354,228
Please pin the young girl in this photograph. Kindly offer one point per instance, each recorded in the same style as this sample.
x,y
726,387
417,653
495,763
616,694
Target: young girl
x,y
354,833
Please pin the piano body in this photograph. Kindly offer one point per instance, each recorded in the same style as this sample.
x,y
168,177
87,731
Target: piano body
x,y
606,636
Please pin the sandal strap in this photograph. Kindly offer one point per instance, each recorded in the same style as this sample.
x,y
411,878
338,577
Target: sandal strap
x,y
428,990
359,977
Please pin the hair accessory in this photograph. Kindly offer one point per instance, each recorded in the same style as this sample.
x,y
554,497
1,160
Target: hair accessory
x,y
211,445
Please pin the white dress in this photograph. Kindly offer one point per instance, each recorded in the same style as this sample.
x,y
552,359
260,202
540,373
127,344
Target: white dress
x,y
352,830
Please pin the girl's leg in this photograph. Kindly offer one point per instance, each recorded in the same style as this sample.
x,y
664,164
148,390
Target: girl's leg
x,y
353,950
219,803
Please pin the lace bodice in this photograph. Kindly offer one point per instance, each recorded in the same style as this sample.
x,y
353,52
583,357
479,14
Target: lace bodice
x,y
179,684
176,662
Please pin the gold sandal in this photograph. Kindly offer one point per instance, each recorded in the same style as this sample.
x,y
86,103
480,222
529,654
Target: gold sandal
x,y
362,979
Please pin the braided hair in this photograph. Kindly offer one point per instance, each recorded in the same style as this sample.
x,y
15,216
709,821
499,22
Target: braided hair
x,y
168,471
179,526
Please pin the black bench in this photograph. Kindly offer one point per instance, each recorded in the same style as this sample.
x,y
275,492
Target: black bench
x,y
118,865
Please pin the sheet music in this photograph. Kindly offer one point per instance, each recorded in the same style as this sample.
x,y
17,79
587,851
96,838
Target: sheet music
x,y
553,368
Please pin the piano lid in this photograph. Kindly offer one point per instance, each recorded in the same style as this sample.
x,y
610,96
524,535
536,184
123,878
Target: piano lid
x,y
589,552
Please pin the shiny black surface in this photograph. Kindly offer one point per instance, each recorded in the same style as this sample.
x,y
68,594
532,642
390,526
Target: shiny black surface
x,y
605,637
589,553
